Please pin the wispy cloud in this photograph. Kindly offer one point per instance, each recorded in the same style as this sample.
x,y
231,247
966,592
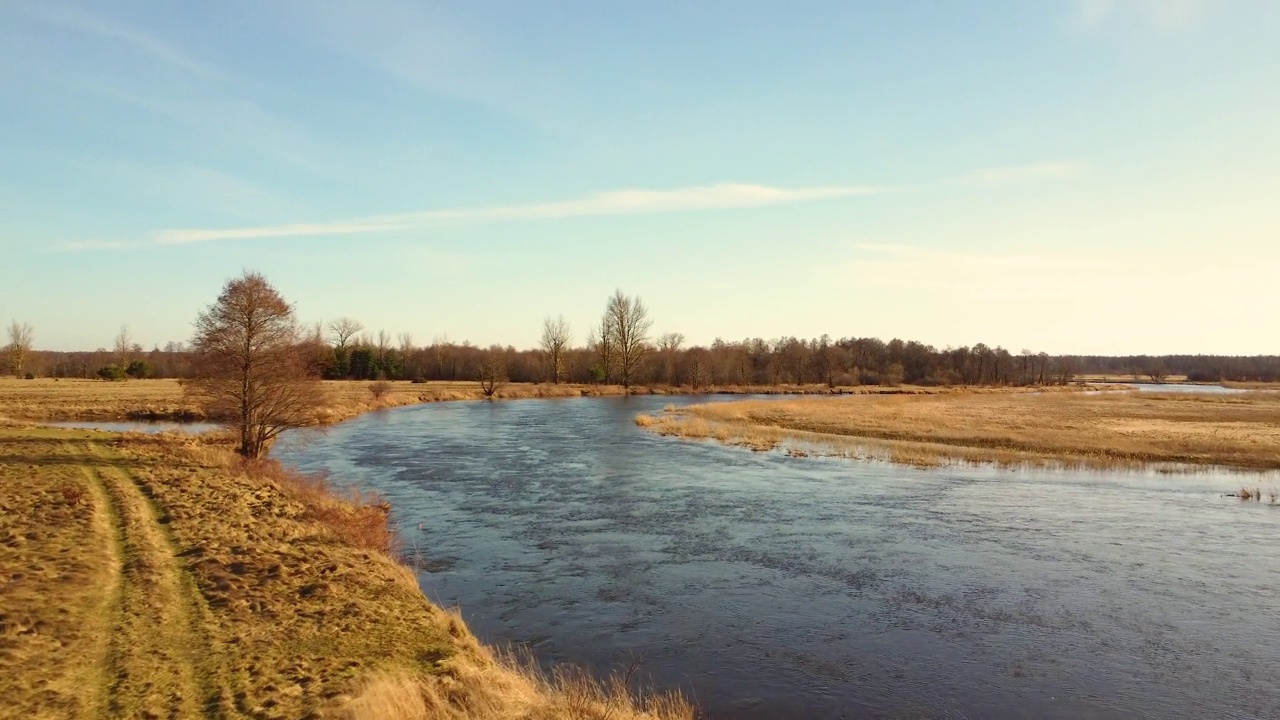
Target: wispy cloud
x,y
619,202
722,196
1158,14
80,21
1022,173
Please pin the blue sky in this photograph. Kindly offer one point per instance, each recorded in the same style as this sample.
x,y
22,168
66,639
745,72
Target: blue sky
x,y
1069,176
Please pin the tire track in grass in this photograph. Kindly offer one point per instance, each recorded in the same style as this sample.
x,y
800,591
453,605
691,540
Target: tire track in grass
x,y
157,657
106,526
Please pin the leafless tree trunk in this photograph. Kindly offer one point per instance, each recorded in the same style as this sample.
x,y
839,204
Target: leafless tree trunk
x,y
20,338
440,347
408,366
493,371
630,321
124,346
250,366
384,344
669,350
555,339
604,344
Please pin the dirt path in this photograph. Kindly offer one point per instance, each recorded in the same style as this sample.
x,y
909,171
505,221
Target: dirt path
x,y
155,659
141,578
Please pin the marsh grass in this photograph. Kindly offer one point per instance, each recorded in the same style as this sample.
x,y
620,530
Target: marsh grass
x,y
1113,430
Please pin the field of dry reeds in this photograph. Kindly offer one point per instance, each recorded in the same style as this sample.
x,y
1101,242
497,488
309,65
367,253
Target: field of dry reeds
x,y
160,576
1090,429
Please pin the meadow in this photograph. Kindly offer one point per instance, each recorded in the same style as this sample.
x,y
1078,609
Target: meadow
x,y
1081,429
160,576
76,399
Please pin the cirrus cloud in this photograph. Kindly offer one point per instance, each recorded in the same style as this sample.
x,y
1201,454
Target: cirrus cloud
x,y
618,202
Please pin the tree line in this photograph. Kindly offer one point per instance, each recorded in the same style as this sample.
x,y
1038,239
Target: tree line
x,y
254,366
621,348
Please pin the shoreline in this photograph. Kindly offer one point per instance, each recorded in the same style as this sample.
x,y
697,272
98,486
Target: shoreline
x,y
1174,432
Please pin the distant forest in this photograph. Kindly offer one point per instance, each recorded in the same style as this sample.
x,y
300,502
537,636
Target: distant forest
x,y
620,349
667,361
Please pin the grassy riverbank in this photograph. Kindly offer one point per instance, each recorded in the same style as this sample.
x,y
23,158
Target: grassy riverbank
x,y
90,400
1098,430
154,576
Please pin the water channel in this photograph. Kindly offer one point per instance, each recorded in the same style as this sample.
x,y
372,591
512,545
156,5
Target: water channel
x,y
775,587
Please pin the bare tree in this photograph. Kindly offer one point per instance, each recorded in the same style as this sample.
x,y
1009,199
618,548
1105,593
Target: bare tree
x,y
669,350
20,338
493,371
1157,372
124,346
601,342
343,330
556,337
443,351
384,344
250,366
630,321
408,363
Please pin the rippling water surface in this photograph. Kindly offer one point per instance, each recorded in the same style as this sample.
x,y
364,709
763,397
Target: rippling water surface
x,y
777,587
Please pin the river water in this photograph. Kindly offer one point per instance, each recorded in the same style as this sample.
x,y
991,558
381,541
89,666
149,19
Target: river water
x,y
768,586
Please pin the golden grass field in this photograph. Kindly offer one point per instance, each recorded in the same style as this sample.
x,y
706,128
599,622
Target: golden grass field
x,y
75,399
158,577
1086,429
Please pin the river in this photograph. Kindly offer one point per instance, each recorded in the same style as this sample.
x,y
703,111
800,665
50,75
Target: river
x,y
774,587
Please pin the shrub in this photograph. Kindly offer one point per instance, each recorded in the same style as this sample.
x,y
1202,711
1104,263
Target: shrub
x,y
379,389
30,376
112,372
893,376
139,369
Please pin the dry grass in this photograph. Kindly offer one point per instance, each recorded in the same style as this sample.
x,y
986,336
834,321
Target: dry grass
x,y
361,520
1100,430
95,400
505,686
159,576
90,400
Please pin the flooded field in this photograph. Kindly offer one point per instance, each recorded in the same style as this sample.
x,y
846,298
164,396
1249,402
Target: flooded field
x,y
777,587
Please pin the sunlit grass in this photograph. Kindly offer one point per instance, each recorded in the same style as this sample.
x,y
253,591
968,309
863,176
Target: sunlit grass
x,y
162,576
1096,430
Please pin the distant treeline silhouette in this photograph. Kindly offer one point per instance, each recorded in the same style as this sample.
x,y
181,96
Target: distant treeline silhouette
x,y
667,361
620,349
